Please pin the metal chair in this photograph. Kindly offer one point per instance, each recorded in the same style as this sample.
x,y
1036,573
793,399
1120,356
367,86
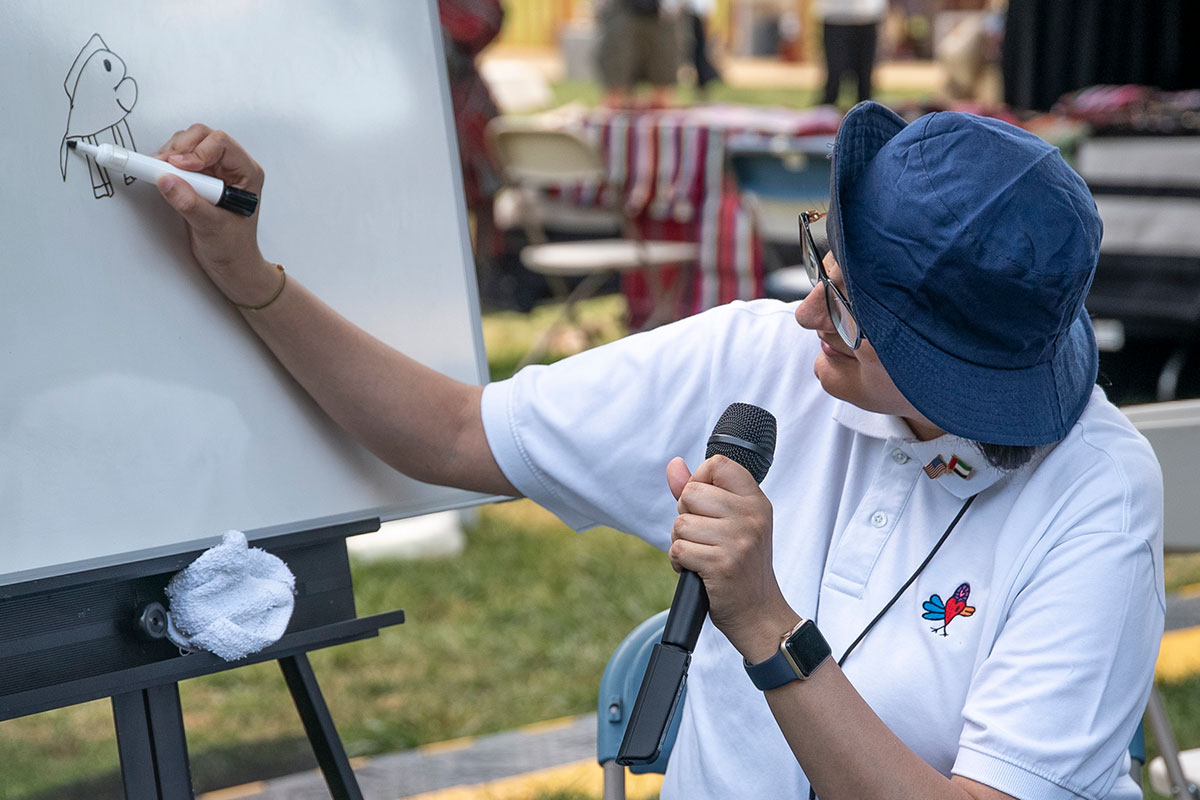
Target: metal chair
x,y
535,157
1173,430
623,677
618,690
779,178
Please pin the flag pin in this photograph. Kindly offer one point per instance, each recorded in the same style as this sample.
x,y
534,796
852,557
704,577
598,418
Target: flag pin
x,y
938,467
935,468
959,467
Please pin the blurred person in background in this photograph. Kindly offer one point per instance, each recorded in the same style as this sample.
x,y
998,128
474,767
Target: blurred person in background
x,y
851,36
639,43
468,26
970,58
695,22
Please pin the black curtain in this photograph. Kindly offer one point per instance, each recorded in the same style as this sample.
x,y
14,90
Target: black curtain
x,y
1056,46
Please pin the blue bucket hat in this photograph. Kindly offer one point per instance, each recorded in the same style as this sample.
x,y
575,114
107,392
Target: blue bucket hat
x,y
968,246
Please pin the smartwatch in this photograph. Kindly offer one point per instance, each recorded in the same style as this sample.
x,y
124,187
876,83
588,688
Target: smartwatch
x,y
801,651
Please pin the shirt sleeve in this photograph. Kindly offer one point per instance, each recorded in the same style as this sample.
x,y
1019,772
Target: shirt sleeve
x,y
589,437
1053,708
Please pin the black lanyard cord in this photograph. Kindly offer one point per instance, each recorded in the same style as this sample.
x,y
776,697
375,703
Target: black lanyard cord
x,y
909,582
812,793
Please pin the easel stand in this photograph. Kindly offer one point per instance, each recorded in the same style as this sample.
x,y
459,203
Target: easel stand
x,y
153,746
75,638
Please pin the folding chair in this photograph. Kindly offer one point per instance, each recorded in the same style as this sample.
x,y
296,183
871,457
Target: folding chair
x,y
623,677
779,179
1173,430
535,157
517,86
618,690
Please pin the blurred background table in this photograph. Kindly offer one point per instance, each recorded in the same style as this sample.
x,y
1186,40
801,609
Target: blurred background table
x,y
670,165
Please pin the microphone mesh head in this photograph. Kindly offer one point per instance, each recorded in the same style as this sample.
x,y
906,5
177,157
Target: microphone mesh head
x,y
752,424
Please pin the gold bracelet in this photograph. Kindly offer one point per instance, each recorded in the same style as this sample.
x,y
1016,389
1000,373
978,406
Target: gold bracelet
x,y
274,297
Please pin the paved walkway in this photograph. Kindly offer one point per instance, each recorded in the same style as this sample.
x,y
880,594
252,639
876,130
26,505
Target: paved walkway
x,y
550,756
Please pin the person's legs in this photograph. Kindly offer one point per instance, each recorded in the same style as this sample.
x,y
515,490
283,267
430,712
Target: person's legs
x,y
706,73
866,40
615,55
838,60
660,48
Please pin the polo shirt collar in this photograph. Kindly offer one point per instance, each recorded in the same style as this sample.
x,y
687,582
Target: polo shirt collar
x,y
946,447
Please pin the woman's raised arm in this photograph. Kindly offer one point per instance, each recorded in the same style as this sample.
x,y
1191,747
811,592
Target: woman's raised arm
x,y
423,423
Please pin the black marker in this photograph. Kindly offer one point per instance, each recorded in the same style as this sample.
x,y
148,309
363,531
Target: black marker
x,y
150,169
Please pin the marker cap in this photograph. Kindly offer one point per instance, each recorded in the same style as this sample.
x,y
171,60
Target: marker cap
x,y
238,201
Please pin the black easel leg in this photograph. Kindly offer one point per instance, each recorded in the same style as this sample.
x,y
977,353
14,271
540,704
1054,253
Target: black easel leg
x,y
170,743
318,724
152,745
133,744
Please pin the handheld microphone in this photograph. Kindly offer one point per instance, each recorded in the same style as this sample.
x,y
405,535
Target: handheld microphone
x,y
744,434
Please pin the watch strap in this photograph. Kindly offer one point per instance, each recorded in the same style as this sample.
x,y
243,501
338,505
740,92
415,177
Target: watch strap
x,y
772,673
800,652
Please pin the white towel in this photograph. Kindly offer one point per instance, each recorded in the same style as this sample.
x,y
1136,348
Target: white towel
x,y
233,600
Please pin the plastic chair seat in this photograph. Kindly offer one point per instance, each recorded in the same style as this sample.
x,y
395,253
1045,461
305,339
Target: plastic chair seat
x,y
573,259
554,214
622,680
618,692
537,156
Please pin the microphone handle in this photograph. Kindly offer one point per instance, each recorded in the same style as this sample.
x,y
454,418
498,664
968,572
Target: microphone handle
x,y
666,673
689,607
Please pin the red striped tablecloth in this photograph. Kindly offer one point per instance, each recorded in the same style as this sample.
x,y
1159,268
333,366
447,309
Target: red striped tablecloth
x,y
671,165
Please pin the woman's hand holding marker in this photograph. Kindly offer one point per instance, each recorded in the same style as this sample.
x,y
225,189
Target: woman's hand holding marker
x,y
224,244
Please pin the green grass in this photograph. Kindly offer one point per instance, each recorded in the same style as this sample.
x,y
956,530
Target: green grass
x,y
542,606
515,630
1181,570
508,335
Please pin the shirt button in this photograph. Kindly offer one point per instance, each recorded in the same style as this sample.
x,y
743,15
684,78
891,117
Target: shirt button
x,y
879,519
900,457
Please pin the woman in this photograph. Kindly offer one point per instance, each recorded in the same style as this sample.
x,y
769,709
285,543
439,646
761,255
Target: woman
x,y
955,512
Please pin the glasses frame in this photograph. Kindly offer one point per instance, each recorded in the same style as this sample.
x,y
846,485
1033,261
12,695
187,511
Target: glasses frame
x,y
836,303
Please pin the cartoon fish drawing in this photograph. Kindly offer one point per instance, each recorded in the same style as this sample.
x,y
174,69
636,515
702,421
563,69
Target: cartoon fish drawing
x,y
102,94
956,606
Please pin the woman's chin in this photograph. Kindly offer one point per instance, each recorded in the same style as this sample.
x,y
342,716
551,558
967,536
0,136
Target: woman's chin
x,y
834,376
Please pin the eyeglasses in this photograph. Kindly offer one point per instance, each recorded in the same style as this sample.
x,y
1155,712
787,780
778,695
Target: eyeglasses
x,y
839,307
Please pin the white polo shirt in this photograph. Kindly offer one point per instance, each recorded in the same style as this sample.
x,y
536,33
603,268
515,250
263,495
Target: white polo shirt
x,y
1036,693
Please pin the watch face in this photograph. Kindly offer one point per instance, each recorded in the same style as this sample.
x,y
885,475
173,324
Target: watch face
x,y
806,649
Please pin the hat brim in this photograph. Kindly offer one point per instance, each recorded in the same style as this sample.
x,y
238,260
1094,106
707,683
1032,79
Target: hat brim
x,y
1028,406
998,406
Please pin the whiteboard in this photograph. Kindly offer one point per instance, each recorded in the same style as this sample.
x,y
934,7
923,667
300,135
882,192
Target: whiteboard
x,y
138,413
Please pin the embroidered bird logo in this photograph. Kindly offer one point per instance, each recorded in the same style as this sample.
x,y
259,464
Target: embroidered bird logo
x,y
956,606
